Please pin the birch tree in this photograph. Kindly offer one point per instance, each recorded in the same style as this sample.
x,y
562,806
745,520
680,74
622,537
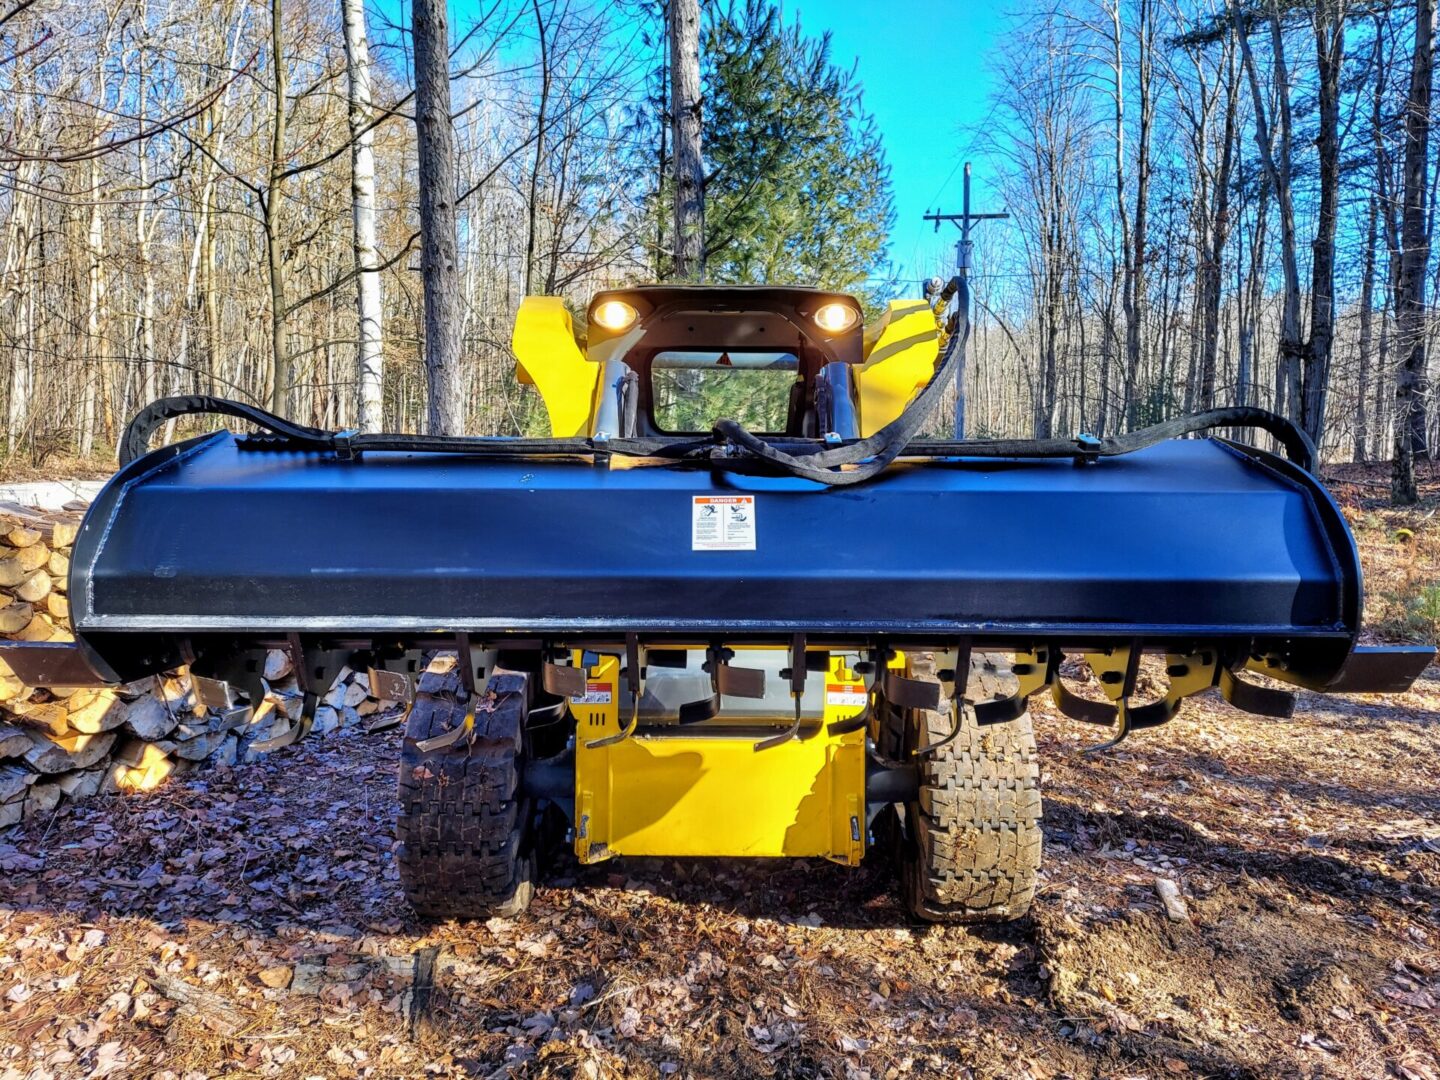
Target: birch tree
x,y
369,349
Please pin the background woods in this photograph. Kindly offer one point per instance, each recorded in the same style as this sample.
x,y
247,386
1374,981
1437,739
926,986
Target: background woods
x,y
223,197
1212,204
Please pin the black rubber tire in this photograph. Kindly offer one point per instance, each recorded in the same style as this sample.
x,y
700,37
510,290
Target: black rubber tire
x,y
465,846
971,847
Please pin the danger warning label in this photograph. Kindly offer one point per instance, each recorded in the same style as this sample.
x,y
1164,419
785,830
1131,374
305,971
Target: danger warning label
x,y
596,693
722,523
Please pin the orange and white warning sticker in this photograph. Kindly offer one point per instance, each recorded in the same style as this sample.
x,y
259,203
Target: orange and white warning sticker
x,y
846,697
722,523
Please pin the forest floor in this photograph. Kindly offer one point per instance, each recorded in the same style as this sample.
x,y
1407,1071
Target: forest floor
x,y
249,922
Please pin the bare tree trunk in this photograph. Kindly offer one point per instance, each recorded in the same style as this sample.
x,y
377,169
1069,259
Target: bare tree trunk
x,y
280,361
540,118
369,353
1278,174
145,318
439,247
1136,256
1210,278
1360,445
20,295
97,315
685,118
1329,22
1410,382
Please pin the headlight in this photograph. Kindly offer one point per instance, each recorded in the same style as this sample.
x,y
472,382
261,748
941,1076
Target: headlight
x,y
836,318
614,315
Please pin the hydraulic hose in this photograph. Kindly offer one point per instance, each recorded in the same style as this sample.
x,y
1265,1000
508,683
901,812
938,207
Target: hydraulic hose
x,y
732,448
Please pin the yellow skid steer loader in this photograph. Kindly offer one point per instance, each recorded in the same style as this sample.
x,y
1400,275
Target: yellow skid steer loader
x,y
733,604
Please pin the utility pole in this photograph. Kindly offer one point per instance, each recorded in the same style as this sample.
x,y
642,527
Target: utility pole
x,y
964,252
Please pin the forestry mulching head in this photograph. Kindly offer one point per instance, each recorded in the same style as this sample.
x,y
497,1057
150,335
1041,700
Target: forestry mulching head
x,y
676,635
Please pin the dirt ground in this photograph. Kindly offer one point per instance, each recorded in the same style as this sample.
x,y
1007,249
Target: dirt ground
x,y
249,922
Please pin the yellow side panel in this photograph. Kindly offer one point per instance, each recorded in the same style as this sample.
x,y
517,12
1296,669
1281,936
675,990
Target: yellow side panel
x,y
548,357
715,794
900,358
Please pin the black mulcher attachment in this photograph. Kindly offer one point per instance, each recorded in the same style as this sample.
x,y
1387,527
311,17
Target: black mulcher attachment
x,y
719,641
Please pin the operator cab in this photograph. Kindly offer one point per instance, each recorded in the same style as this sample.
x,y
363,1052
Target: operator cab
x,y
679,358
674,359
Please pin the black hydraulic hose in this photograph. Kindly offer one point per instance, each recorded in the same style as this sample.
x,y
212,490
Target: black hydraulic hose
x,y
148,420
1298,446
732,448
858,461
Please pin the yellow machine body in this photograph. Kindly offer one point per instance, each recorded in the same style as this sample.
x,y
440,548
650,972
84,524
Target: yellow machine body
x,y
705,789
900,350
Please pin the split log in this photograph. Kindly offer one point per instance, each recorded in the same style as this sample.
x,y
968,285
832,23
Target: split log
x,y
149,719
12,813
63,534
14,780
41,799
326,720
40,629
58,607
59,564
13,741
201,746
82,783
34,557
277,665
15,617
100,711
179,693
57,754
52,717
12,573
139,688
22,537
140,768
229,752
36,587
11,687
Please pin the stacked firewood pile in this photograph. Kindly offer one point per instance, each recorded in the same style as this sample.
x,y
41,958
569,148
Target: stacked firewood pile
x,y
61,742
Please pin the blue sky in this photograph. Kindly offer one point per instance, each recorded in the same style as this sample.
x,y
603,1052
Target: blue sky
x,y
923,66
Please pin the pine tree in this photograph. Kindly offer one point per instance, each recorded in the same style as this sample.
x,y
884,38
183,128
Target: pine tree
x,y
798,190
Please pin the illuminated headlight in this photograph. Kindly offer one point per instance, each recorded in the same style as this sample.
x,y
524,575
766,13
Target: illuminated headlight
x,y
836,318
614,315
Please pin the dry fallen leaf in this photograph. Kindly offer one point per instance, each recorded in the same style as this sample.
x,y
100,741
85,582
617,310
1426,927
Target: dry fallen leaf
x,y
277,978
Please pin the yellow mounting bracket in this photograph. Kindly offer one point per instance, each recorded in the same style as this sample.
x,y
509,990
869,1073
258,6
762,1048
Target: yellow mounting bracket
x,y
900,354
548,358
